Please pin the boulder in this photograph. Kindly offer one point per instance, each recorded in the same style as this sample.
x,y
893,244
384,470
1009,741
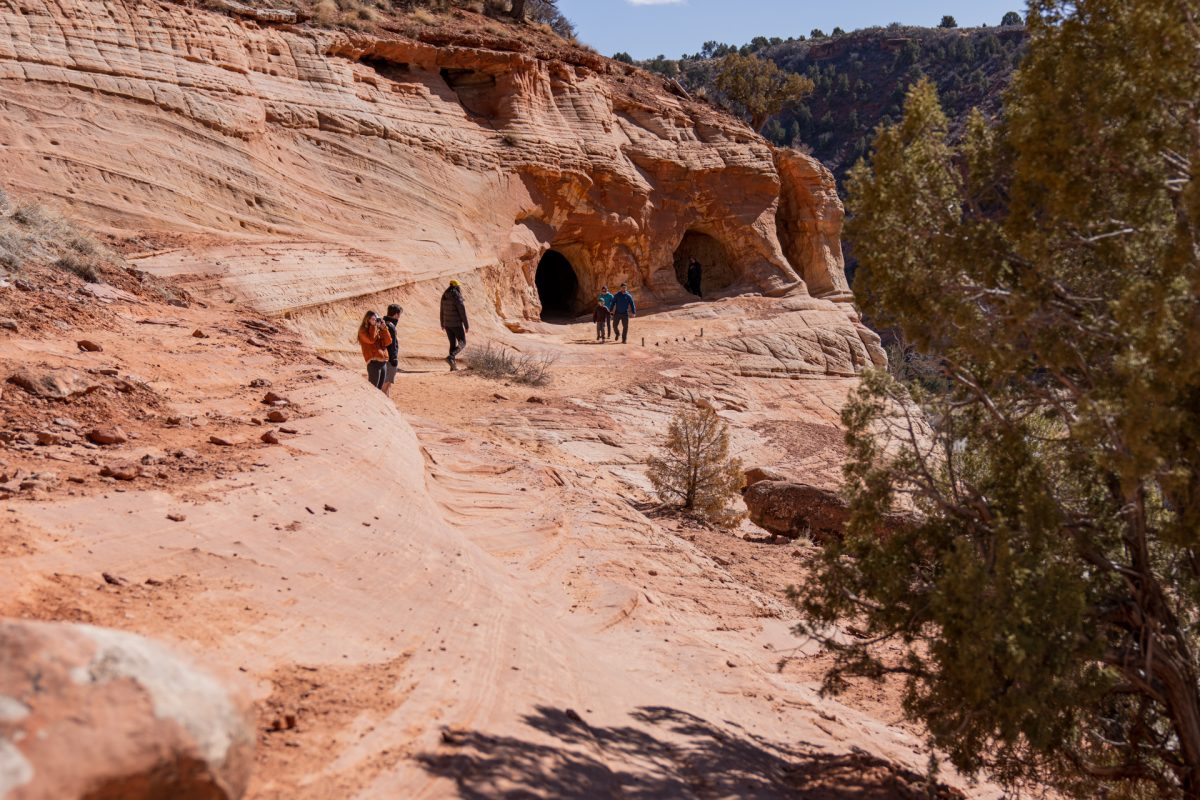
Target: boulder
x,y
792,509
796,509
97,713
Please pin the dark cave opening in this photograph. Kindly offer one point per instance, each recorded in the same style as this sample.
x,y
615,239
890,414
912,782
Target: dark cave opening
x,y
716,271
557,286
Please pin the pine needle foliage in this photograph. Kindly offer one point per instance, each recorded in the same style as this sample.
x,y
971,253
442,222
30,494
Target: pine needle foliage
x,y
1048,595
695,470
759,88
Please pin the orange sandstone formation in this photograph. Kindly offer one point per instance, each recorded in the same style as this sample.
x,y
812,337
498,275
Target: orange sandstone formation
x,y
357,166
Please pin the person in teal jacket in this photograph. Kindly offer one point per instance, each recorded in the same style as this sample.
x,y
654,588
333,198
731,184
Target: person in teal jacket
x,y
623,308
606,297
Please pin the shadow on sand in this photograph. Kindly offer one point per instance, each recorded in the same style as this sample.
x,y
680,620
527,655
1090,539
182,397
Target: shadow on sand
x,y
671,754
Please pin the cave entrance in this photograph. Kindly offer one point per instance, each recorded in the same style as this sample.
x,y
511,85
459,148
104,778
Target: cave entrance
x,y
557,287
716,268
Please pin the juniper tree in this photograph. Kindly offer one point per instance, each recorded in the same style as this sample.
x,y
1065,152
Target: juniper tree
x,y
695,470
759,87
1048,594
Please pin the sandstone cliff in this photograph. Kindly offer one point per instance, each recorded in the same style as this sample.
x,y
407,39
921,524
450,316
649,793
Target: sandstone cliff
x,y
315,172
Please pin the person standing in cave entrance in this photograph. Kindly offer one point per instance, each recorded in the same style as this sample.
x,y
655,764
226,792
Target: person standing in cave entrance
x,y
623,309
454,321
606,297
393,363
693,277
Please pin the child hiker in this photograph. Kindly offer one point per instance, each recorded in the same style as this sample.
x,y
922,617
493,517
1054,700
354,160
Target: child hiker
x,y
600,317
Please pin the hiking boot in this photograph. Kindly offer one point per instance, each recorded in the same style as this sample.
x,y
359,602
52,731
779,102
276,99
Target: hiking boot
x,y
450,361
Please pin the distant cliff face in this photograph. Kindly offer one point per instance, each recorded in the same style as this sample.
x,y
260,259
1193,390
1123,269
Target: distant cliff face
x,y
312,170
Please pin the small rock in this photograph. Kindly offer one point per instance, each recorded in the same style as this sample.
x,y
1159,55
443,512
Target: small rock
x,y
271,398
186,454
288,430
48,438
107,436
653,573
199,334
57,384
176,517
455,736
499,396
220,440
64,422
572,715
107,371
112,580
153,582
269,437
88,346
330,508
9,325
277,416
24,285
538,400
730,663
259,383
121,472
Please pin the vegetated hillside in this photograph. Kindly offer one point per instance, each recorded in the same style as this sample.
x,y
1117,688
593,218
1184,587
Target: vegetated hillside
x,y
861,78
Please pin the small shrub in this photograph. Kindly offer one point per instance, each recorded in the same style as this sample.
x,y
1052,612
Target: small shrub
x,y
74,264
532,369
695,470
325,12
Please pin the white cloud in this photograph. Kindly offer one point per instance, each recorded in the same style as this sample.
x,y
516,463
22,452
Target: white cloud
x,y
656,2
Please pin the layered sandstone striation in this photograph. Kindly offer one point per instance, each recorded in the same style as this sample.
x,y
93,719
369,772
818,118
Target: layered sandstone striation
x,y
315,172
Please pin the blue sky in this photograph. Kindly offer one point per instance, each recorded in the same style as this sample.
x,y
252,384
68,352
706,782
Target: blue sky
x,y
645,28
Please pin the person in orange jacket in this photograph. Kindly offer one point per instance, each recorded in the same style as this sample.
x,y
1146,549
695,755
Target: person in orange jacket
x,y
374,339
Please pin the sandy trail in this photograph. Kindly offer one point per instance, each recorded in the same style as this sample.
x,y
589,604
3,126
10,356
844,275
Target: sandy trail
x,y
457,591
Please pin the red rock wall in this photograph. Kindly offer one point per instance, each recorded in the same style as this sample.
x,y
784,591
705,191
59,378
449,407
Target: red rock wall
x,y
306,168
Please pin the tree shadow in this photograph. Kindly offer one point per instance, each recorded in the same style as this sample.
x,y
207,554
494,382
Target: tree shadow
x,y
670,753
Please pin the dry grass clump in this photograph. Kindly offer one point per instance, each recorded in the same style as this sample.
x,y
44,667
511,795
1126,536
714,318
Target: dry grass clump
x,y
31,232
531,369
350,13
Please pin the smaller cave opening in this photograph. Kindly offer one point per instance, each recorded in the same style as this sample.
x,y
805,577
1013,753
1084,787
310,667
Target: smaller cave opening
x,y
557,287
476,90
716,267
395,71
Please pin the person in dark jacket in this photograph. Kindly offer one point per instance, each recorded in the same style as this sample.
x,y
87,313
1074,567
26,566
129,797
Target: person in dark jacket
x,y
623,309
454,321
693,277
393,365
601,317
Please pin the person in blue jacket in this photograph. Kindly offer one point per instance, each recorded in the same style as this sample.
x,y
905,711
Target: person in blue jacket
x,y
606,297
623,309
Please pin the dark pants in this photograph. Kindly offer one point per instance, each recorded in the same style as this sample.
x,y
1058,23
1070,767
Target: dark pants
x,y
602,329
694,287
376,372
621,321
458,339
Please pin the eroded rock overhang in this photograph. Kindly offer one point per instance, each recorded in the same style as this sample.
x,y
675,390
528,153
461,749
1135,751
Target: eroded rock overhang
x,y
314,171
